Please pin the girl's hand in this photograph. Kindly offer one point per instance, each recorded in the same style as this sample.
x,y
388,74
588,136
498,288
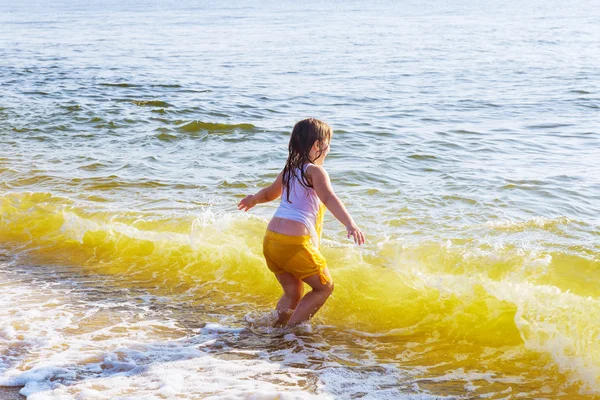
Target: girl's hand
x,y
356,233
247,203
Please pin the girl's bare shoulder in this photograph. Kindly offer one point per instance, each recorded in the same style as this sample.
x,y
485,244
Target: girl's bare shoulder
x,y
314,171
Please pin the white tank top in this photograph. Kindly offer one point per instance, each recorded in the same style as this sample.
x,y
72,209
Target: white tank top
x,y
304,206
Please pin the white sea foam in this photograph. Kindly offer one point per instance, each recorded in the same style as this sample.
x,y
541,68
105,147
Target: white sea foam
x,y
534,223
76,227
64,347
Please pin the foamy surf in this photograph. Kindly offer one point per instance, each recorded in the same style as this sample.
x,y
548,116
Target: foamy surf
x,y
56,346
117,296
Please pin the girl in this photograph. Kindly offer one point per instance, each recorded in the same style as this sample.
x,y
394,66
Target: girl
x,y
291,243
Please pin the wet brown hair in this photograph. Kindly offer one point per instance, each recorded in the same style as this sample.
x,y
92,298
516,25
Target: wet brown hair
x,y
304,135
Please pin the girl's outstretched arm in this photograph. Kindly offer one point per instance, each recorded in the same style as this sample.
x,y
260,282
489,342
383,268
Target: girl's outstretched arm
x,y
322,185
267,194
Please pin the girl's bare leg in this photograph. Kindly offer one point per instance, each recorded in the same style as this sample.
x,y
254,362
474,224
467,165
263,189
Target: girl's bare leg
x,y
293,289
312,302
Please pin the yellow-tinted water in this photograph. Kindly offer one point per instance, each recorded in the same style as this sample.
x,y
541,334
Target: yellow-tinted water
x,y
453,311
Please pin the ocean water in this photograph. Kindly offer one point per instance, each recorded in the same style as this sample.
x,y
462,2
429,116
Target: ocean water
x,y
466,145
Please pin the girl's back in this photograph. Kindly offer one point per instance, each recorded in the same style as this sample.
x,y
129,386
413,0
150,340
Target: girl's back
x,y
302,204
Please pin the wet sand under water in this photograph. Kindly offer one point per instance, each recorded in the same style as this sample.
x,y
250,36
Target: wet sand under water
x,y
10,393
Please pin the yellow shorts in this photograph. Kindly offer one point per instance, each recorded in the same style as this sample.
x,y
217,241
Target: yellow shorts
x,y
293,254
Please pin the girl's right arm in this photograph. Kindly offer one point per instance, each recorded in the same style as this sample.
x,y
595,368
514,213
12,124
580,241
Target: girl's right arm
x,y
270,193
322,185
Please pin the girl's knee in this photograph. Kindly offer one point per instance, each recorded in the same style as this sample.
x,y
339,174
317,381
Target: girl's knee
x,y
327,288
321,283
330,287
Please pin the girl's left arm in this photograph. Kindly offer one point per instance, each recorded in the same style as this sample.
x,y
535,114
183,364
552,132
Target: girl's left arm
x,y
265,195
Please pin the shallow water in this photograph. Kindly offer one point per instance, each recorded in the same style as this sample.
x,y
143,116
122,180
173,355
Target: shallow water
x,y
465,145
